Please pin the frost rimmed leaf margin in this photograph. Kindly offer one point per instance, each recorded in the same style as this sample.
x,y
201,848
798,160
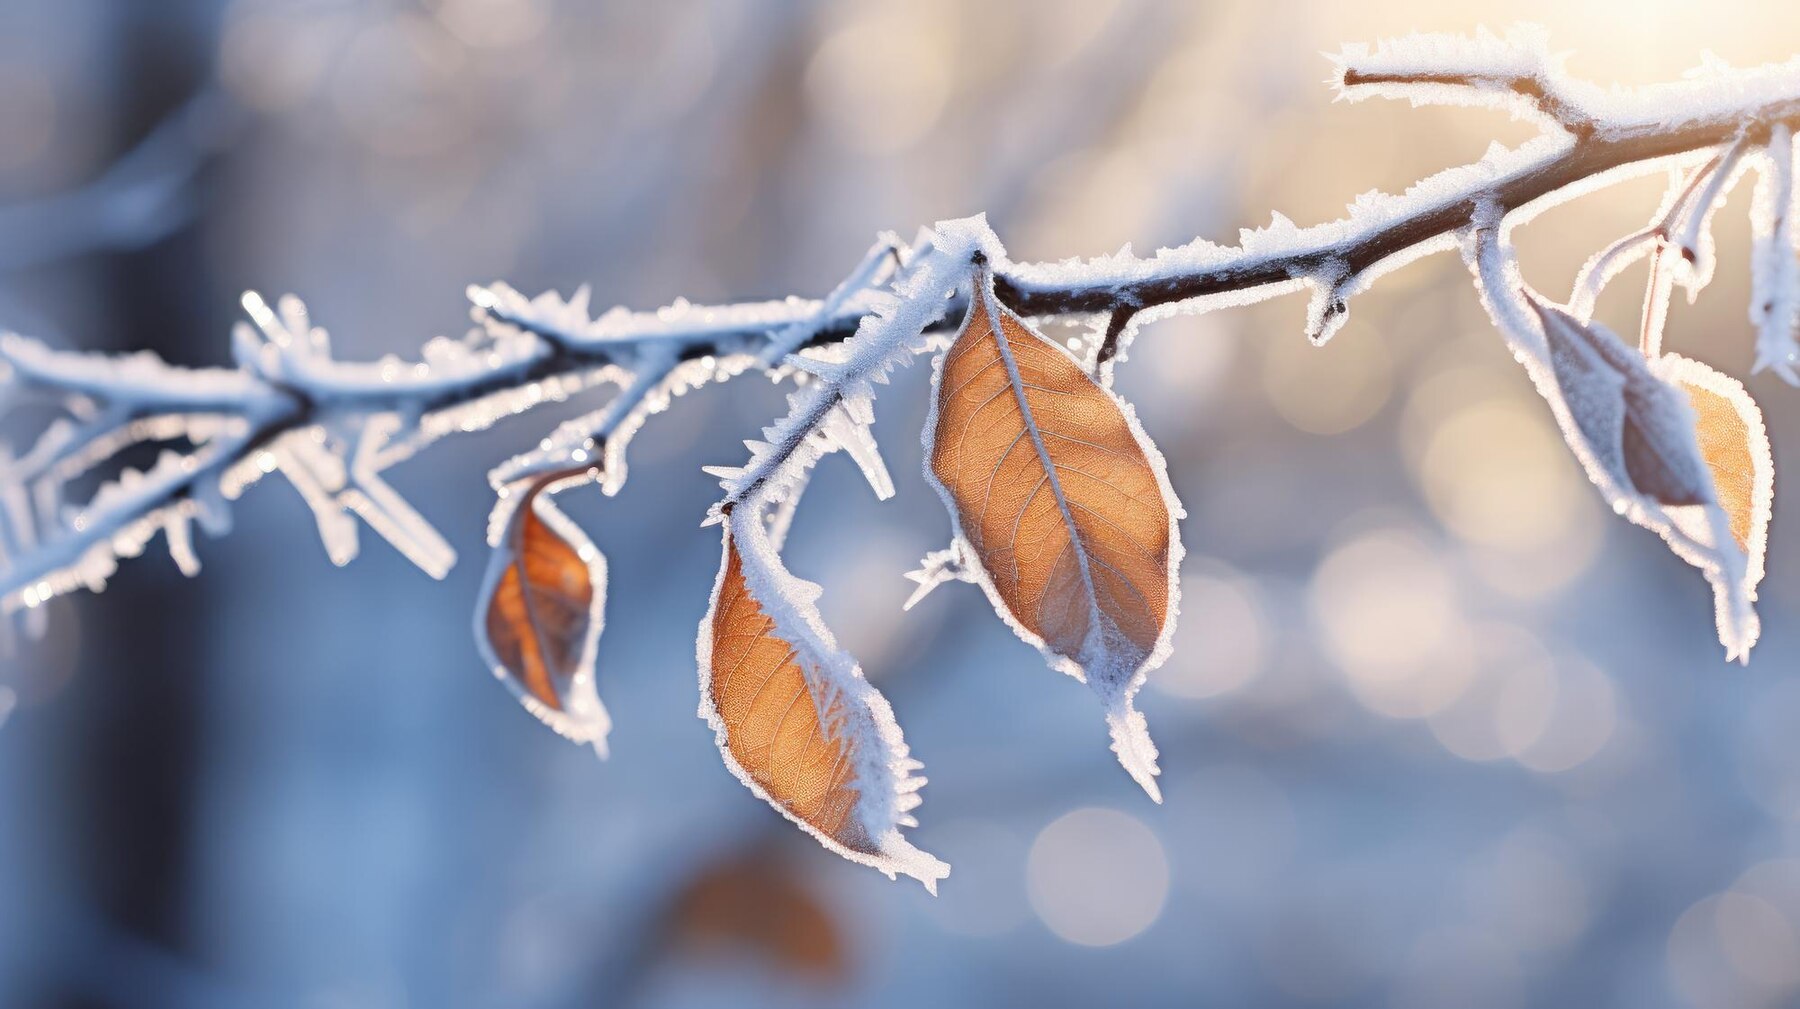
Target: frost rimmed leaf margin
x,y
1699,532
649,375
581,717
1101,661
841,393
885,776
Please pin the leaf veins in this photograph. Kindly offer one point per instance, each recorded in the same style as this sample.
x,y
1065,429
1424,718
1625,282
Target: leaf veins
x,y
1064,504
774,728
797,722
542,619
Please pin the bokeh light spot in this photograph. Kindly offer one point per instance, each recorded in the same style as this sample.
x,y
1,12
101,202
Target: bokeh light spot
x,y
1221,641
1330,389
1097,877
1387,611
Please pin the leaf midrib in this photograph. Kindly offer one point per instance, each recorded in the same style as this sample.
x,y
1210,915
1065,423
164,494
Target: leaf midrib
x,y
997,327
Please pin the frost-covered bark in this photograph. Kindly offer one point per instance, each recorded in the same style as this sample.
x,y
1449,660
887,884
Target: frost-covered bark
x,y
1672,445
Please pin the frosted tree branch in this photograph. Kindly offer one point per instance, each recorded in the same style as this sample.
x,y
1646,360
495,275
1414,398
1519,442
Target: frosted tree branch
x,y
332,426
1061,505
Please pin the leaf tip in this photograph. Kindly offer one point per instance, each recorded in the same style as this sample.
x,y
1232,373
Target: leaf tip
x,y
905,859
1131,741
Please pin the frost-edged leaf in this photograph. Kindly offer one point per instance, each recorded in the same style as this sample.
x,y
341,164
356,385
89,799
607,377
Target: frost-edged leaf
x,y
1640,429
539,621
1063,504
1632,420
1735,444
774,727
796,721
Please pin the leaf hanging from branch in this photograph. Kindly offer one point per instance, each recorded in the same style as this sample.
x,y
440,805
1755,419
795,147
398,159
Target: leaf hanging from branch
x,y
1062,508
539,622
1674,448
794,718
1631,420
1064,505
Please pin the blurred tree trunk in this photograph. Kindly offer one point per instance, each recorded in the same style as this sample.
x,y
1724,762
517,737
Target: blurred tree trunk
x,y
142,712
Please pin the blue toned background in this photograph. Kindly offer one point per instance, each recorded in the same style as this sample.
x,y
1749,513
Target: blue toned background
x,y
1437,731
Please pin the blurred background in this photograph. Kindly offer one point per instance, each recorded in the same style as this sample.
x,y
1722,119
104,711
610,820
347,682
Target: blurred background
x,y
1437,730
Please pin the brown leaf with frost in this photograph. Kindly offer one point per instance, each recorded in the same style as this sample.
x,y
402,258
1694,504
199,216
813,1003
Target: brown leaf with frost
x,y
543,616
1734,442
1676,447
1064,504
1629,417
794,717
774,730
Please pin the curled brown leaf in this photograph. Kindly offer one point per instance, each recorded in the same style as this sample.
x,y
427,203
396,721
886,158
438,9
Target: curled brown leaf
x,y
542,617
1676,448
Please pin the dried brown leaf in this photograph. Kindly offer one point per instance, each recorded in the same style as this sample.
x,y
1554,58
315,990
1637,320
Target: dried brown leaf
x,y
796,721
1630,418
1675,447
542,618
1063,503
774,729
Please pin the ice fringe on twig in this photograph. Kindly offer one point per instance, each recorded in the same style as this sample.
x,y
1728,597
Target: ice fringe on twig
x,y
937,568
1775,259
1518,72
530,351
107,406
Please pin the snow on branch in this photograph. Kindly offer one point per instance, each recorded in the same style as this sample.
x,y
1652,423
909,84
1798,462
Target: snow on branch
x,y
1517,69
1673,445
